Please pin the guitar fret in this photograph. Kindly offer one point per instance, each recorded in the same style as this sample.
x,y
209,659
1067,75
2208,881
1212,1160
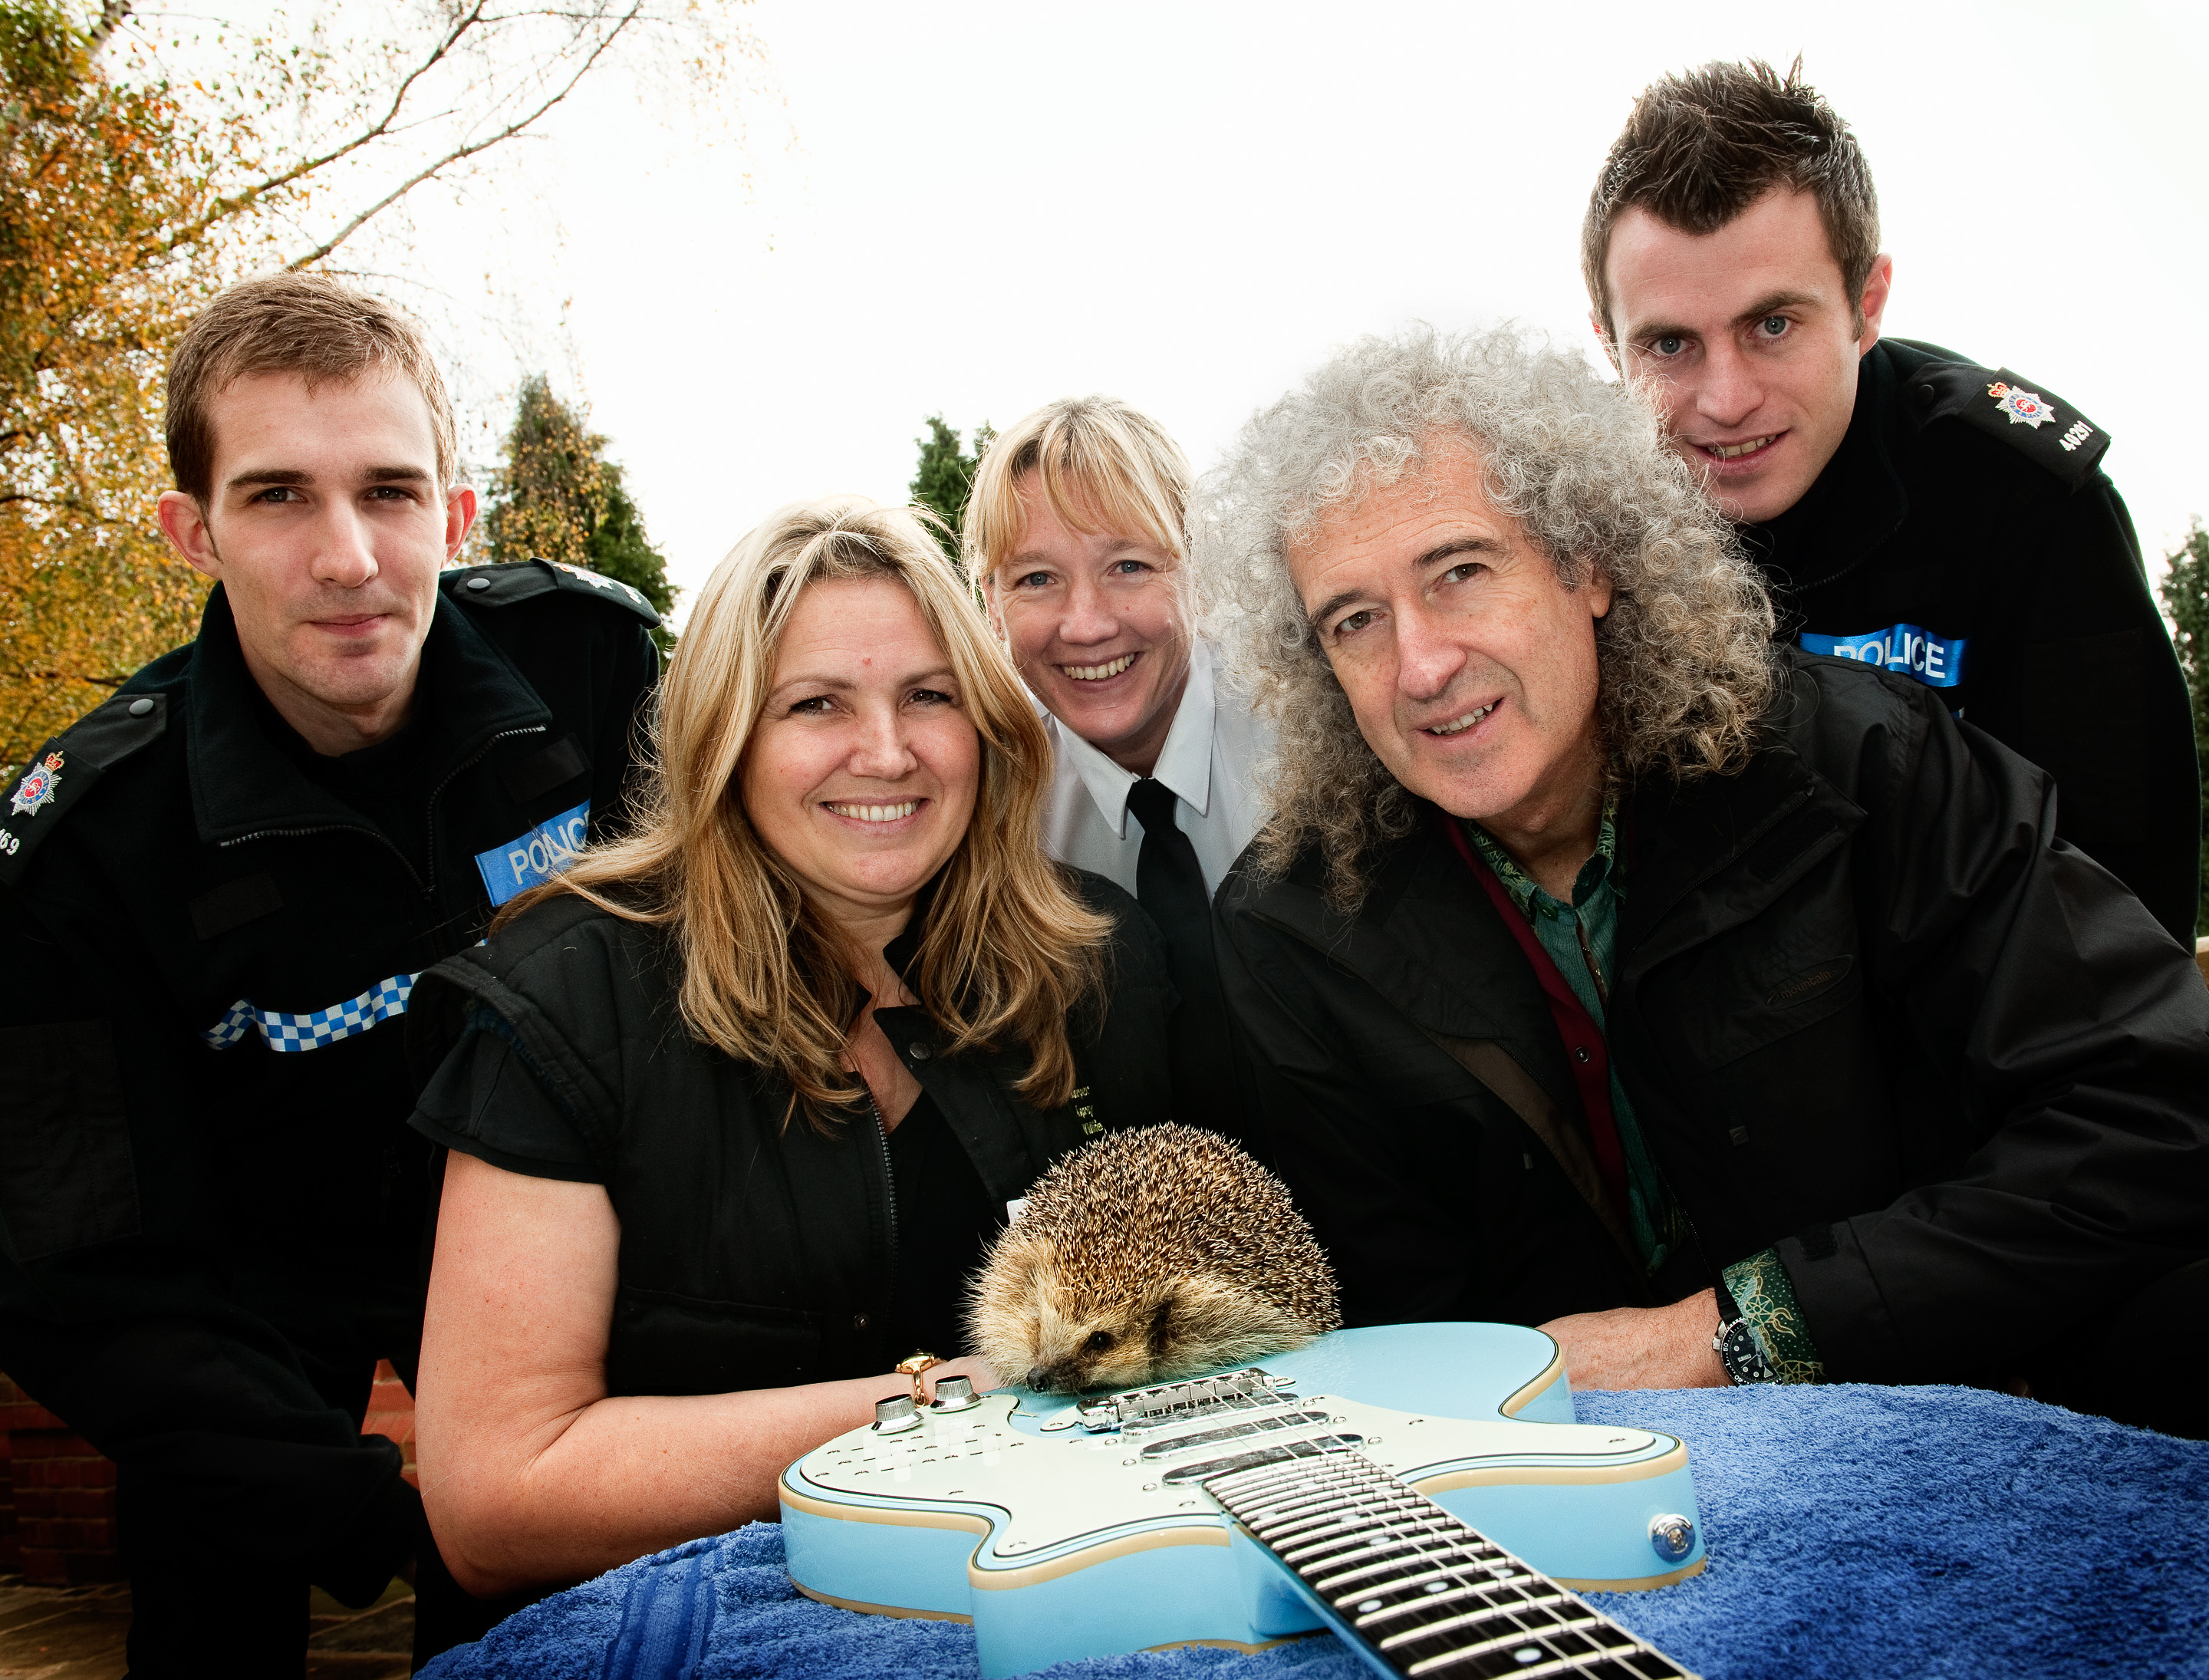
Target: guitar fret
x,y
1488,1613
1357,1537
1424,1600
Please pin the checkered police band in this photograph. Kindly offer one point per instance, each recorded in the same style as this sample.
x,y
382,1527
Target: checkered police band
x,y
318,1028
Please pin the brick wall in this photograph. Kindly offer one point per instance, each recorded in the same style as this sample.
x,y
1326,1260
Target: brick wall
x,y
62,1505
391,1411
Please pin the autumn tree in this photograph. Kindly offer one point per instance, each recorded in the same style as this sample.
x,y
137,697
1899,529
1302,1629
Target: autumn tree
x,y
141,169
2185,591
945,477
557,497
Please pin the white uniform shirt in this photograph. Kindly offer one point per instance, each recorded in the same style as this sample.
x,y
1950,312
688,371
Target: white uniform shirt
x,y
1210,761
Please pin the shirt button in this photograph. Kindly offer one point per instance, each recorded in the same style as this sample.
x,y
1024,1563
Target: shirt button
x,y
859,1320
919,1051
1925,394
140,707
1579,1052
479,583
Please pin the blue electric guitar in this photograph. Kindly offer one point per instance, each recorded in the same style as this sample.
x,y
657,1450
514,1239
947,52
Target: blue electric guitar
x,y
1420,1489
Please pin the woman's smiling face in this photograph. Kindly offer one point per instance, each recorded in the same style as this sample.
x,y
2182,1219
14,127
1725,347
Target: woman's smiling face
x,y
862,772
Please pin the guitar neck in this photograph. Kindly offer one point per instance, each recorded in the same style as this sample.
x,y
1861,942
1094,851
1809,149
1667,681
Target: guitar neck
x,y
1417,1590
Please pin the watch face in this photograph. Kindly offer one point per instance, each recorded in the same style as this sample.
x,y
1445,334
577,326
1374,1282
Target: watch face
x,y
1741,1355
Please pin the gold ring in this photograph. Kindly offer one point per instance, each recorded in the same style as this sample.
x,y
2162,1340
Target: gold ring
x,y
912,1365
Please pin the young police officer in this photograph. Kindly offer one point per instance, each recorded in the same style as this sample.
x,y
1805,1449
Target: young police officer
x,y
215,893
1945,521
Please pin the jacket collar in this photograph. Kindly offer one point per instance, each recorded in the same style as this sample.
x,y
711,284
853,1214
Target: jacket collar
x,y
1703,855
243,782
1857,502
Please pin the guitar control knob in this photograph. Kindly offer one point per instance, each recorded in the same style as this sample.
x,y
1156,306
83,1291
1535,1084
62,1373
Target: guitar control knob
x,y
896,1415
1671,1538
956,1394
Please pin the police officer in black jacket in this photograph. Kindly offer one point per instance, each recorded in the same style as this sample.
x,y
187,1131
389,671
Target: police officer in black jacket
x,y
218,888
1908,507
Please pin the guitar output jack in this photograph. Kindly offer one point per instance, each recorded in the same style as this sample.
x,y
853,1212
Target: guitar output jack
x,y
1671,1537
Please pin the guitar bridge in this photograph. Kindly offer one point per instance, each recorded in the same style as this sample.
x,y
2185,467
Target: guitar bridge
x,y
1164,1403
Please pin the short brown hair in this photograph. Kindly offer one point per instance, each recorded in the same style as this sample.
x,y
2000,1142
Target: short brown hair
x,y
1097,451
1700,149
307,324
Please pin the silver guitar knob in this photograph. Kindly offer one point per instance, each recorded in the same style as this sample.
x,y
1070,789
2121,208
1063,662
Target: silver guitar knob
x,y
896,1415
956,1394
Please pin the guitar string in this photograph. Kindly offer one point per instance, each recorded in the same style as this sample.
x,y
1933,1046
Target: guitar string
x,y
1451,1563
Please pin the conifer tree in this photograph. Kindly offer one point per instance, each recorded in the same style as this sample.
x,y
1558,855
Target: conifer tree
x,y
945,478
2185,591
558,498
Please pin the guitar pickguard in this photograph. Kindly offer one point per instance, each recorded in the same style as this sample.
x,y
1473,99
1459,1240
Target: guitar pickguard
x,y
1058,1542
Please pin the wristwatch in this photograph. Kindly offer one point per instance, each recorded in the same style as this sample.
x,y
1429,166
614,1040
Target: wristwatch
x,y
1735,1343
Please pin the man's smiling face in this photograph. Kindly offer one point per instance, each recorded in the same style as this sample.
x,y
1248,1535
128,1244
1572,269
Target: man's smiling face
x,y
1750,340
1469,665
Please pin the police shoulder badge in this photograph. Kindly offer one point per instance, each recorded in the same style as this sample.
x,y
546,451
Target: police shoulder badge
x,y
2025,408
38,788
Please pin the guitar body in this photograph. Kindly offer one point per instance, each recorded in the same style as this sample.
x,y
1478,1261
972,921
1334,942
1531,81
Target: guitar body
x,y
1060,1543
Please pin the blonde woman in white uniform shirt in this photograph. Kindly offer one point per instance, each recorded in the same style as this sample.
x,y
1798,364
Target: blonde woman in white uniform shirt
x,y
1073,535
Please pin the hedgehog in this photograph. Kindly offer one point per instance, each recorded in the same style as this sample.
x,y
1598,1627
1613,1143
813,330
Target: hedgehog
x,y
1150,1254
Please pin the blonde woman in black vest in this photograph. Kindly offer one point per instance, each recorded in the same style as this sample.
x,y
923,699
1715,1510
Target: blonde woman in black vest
x,y
737,1102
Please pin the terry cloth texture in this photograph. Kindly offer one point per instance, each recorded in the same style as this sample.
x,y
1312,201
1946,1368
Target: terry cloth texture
x,y
1853,1531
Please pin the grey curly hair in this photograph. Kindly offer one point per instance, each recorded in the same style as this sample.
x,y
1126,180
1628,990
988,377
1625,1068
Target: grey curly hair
x,y
1684,656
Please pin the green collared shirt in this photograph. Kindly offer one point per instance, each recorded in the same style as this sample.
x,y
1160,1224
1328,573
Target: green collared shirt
x,y
1582,939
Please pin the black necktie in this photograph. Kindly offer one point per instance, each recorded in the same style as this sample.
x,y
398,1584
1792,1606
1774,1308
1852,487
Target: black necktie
x,y
1170,886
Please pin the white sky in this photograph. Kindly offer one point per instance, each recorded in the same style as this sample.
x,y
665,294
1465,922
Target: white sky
x,y
977,208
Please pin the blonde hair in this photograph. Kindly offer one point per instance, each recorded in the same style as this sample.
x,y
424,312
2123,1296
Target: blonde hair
x,y
1006,950
1094,457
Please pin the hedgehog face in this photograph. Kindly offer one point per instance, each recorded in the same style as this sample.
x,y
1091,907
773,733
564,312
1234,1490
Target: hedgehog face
x,y
1070,1340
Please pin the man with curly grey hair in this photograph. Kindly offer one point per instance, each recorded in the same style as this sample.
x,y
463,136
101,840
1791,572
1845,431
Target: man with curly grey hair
x,y
1732,1013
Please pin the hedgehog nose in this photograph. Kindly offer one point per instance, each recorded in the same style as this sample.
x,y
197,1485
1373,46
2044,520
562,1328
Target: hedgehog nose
x,y
1039,1379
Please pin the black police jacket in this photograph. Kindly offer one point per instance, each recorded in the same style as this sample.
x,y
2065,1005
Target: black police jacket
x,y
1869,1009
1964,535
755,1250
213,1208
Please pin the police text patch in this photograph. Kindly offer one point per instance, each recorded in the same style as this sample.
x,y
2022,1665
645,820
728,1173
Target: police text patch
x,y
1937,661
537,856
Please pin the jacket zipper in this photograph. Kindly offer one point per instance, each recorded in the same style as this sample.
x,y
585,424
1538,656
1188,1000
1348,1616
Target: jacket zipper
x,y
890,1209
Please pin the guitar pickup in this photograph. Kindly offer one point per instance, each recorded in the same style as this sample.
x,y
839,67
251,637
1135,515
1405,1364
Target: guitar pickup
x,y
1186,1474
1269,1424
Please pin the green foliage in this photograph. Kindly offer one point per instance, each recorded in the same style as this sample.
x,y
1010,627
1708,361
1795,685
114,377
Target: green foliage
x,y
558,498
945,478
2185,592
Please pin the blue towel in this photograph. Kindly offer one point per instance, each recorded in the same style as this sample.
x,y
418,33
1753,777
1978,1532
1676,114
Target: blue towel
x,y
1853,1531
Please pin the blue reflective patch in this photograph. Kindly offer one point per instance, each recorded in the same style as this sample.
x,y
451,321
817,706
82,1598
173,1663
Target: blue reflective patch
x,y
1937,661
537,856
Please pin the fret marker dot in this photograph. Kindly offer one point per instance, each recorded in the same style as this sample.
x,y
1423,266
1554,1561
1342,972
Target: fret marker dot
x,y
1526,1653
1437,1587
1368,1606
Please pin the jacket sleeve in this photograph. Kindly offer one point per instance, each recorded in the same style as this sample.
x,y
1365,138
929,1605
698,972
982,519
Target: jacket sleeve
x,y
113,1316
2071,1034
2086,684
1343,1145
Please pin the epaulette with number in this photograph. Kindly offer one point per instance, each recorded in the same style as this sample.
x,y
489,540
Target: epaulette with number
x,y
502,584
62,772
2033,421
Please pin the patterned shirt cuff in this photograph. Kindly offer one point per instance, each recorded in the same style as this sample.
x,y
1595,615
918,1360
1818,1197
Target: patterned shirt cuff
x,y
1760,1288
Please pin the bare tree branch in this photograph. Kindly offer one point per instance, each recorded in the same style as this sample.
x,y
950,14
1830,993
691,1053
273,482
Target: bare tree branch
x,y
111,14
462,153
234,202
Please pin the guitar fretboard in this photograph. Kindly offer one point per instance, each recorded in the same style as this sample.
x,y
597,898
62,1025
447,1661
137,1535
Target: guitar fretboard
x,y
1422,1591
